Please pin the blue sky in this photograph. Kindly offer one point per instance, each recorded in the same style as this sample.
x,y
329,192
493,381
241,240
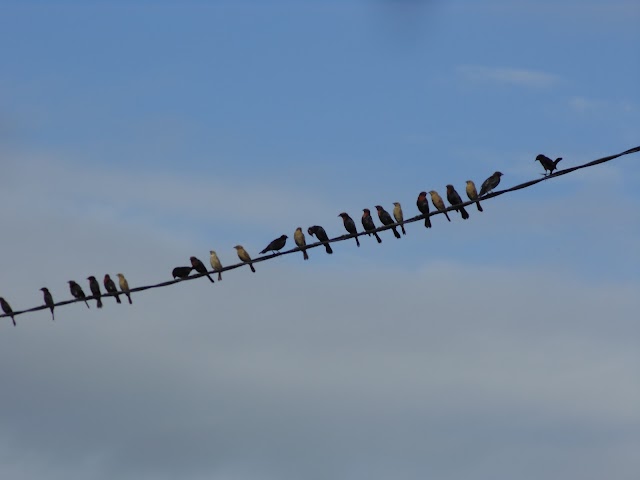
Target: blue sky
x,y
136,134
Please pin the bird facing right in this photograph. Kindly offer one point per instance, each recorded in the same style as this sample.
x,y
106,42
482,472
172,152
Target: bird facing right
x,y
490,183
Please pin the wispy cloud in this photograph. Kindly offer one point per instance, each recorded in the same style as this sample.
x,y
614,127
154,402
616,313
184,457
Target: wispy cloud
x,y
507,75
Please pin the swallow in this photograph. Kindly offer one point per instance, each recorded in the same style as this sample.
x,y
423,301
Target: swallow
x,y
547,163
6,308
438,203
423,205
181,272
244,256
77,292
350,225
276,245
301,242
124,286
215,263
490,183
94,286
386,219
367,223
454,199
48,300
110,287
397,214
199,267
321,235
472,193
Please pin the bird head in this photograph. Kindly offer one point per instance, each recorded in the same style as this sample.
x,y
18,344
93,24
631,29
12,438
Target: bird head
x,y
44,289
366,211
238,247
449,188
396,204
379,208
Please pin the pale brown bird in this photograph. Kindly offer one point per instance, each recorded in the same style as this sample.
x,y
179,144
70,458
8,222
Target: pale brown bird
x,y
397,214
95,290
472,193
6,308
48,300
301,242
455,200
110,287
124,286
199,267
423,205
438,203
215,263
244,256
77,292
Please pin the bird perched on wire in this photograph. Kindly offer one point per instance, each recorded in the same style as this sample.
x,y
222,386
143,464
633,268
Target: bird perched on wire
x,y
490,183
301,242
548,164
423,205
367,223
397,214
472,193
454,199
199,267
215,263
244,256
276,245
349,225
321,235
48,300
124,286
181,272
110,287
95,290
6,308
438,203
386,219
77,292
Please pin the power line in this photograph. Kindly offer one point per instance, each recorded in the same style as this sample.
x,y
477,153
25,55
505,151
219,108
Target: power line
x,y
341,238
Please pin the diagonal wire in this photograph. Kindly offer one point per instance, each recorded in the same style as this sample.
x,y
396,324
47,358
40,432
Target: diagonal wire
x,y
341,238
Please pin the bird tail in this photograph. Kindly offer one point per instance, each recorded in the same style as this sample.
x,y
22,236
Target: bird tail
x,y
210,279
53,317
479,206
556,161
99,302
219,276
377,237
252,269
87,303
118,298
395,232
427,222
464,213
446,215
13,320
129,297
328,248
305,255
404,232
357,241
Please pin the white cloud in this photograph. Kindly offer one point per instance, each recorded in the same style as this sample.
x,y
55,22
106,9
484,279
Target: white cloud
x,y
507,75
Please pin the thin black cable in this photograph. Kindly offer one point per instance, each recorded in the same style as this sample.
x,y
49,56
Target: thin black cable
x,y
341,238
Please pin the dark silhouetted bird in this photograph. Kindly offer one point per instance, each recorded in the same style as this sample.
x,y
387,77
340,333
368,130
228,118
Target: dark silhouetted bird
x,y
181,272
301,242
454,199
199,267
276,245
472,193
110,287
490,183
124,286
94,286
397,214
6,308
321,235
438,203
386,219
349,225
215,263
48,300
367,223
77,292
423,206
244,256
548,164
